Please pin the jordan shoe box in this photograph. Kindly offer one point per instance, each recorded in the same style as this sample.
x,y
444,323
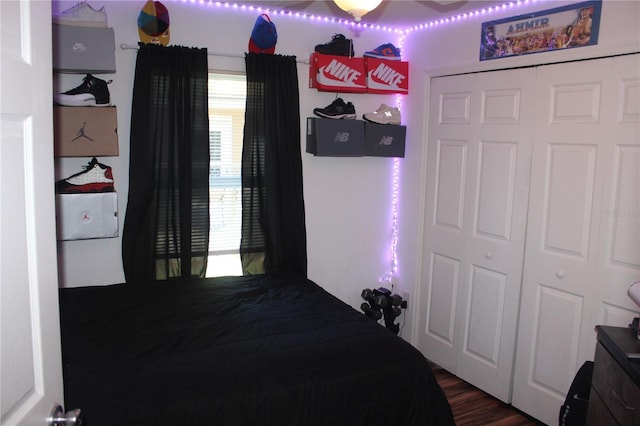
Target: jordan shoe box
x,y
384,140
85,131
342,74
387,77
335,138
86,216
83,49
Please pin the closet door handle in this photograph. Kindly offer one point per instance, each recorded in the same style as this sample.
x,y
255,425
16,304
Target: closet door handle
x,y
560,273
488,255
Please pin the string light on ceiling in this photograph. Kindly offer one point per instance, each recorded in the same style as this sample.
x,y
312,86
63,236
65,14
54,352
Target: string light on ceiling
x,y
356,23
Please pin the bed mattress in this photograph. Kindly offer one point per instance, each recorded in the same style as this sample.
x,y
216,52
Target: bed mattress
x,y
256,350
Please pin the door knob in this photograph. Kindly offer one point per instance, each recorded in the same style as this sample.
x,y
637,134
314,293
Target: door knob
x,y
59,418
560,273
488,255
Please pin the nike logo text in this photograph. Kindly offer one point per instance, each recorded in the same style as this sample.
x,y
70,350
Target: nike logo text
x,y
341,71
388,75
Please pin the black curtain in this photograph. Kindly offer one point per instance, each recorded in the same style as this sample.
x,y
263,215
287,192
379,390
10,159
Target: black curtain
x,y
273,219
166,228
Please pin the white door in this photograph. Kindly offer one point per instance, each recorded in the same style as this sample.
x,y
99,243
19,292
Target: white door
x,y
31,380
478,160
582,248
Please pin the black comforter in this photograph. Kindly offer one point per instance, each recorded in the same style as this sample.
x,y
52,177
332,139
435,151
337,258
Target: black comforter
x,y
259,350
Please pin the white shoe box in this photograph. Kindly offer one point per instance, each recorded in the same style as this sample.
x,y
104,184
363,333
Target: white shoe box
x,y
86,216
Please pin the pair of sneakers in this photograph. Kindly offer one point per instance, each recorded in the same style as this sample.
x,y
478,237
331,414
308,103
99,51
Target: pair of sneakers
x,y
92,92
342,46
339,109
95,178
82,15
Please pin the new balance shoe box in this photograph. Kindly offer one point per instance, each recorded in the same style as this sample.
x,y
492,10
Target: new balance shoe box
x,y
342,74
335,138
85,131
86,216
386,77
83,50
384,140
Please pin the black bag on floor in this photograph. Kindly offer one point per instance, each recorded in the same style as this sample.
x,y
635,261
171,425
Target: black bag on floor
x,y
574,410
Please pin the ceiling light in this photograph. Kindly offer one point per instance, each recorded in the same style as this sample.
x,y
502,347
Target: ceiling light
x,y
357,8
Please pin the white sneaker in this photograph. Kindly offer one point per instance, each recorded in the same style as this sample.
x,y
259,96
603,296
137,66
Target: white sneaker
x,y
82,15
384,115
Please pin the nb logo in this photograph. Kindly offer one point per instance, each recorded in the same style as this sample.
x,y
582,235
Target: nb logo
x,y
386,140
341,137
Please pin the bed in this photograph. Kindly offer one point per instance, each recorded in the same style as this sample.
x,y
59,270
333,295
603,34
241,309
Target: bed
x,y
257,350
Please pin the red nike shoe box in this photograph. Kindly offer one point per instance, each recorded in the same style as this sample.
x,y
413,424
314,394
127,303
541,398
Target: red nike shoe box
x,y
384,76
85,131
329,73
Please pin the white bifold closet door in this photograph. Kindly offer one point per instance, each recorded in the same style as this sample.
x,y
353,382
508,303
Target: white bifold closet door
x,y
478,165
583,233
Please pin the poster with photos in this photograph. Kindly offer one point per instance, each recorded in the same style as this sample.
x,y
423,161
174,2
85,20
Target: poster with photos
x,y
564,27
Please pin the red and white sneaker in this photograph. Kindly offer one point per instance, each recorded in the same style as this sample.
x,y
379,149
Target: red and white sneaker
x,y
95,178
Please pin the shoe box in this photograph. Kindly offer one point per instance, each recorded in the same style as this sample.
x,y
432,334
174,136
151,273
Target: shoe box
x,y
86,216
335,138
384,76
85,131
384,140
329,73
83,49
328,137
337,73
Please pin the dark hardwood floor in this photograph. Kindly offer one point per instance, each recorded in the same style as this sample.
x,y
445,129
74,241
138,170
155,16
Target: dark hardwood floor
x,y
472,406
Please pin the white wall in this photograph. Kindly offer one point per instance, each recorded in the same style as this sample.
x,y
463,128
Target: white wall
x,y
455,48
347,200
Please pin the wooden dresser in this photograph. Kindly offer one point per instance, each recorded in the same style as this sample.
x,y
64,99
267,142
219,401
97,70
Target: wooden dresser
x,y
615,386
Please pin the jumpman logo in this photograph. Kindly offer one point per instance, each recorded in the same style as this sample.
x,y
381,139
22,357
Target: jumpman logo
x,y
81,133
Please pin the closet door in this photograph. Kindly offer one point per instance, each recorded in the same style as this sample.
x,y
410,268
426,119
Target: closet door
x,y
478,160
583,234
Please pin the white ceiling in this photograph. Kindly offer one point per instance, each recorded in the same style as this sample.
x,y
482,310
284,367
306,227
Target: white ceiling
x,y
393,13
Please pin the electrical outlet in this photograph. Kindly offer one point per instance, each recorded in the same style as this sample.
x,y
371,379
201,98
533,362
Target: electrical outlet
x,y
405,299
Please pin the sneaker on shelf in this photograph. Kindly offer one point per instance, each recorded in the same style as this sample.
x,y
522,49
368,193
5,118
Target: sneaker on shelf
x,y
92,92
384,51
338,109
338,46
383,115
82,15
95,178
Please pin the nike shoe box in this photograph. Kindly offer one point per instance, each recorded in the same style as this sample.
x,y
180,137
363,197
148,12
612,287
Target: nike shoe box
x,y
86,216
386,77
329,73
384,140
85,131
83,49
327,137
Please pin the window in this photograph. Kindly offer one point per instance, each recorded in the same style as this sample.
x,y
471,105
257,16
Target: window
x,y
227,94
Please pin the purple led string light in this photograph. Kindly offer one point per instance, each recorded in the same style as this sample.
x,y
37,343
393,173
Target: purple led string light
x,y
388,278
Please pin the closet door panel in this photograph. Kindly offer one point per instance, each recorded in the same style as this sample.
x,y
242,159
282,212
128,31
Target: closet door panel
x,y
619,250
568,197
476,201
445,219
500,156
581,252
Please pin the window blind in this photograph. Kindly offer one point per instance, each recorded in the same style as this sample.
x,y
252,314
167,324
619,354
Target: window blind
x,y
227,95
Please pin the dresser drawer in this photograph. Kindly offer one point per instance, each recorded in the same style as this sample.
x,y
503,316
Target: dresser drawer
x,y
618,392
